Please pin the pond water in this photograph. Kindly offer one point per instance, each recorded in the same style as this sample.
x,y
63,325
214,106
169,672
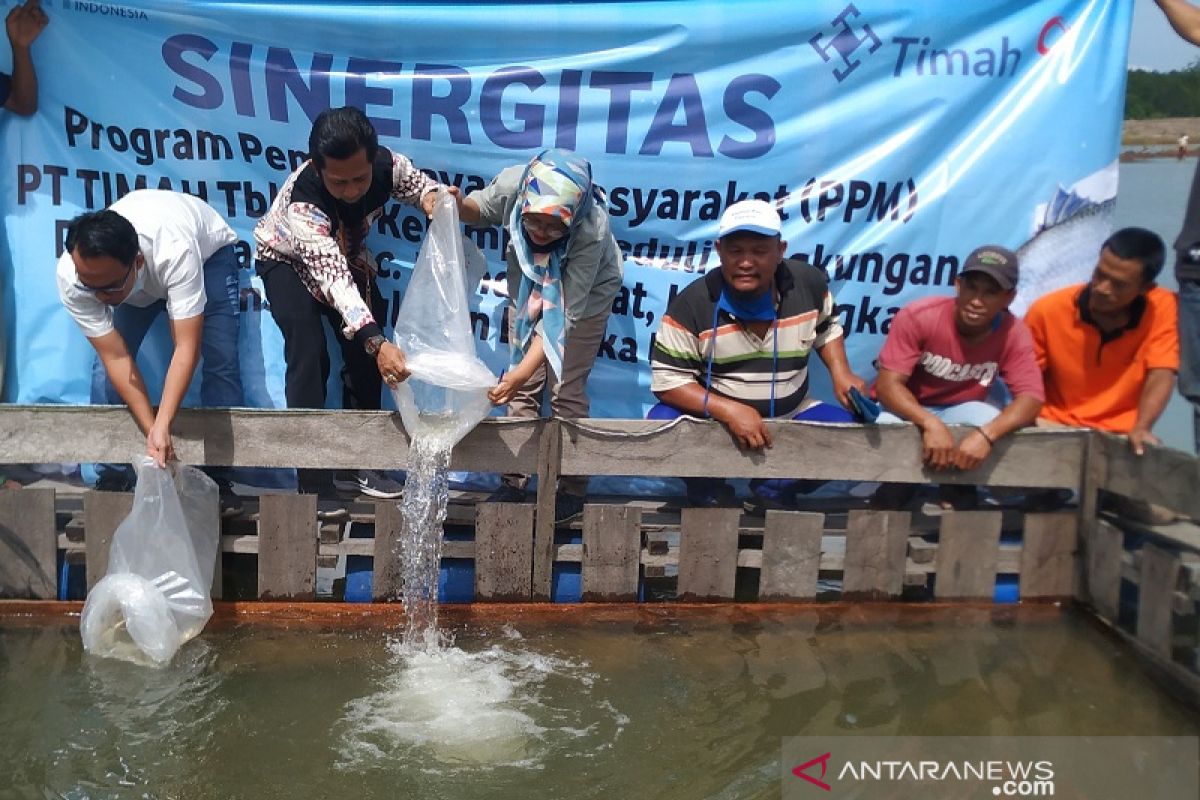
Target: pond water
x,y
645,702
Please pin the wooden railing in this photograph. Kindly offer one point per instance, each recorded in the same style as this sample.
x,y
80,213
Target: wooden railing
x,y
620,549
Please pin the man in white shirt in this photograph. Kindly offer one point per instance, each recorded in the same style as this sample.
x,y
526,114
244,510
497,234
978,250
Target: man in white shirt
x,y
148,252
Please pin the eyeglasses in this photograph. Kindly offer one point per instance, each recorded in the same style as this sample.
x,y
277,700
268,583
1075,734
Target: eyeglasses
x,y
550,229
112,288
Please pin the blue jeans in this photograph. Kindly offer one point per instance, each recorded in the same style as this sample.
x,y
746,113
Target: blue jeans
x,y
699,489
1189,350
974,412
221,377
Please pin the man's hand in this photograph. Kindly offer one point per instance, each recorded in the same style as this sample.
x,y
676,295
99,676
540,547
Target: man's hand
x,y
390,360
747,426
1139,438
430,200
972,450
159,445
842,382
938,449
25,22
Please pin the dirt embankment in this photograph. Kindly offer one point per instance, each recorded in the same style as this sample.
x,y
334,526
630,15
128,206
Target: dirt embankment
x,y
1158,138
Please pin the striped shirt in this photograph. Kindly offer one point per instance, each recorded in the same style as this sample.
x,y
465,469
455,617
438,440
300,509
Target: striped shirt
x,y
746,367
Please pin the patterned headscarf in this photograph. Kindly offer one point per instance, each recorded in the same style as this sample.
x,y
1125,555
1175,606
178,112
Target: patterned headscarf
x,y
557,183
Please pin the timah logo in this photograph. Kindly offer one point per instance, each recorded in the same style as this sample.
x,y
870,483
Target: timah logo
x,y
802,771
844,40
104,9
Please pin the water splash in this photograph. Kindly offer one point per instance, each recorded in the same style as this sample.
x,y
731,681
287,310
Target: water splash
x,y
448,709
423,512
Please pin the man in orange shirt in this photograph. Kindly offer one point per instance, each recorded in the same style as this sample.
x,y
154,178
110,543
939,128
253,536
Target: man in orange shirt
x,y
1109,349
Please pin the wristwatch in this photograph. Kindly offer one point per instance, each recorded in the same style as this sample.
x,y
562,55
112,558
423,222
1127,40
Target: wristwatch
x,y
374,344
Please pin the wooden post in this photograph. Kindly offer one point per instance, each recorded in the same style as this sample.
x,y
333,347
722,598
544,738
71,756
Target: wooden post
x,y
216,589
28,545
1156,595
287,547
103,512
968,549
708,551
1104,569
1093,473
549,463
503,549
791,555
876,552
387,583
612,553
1049,555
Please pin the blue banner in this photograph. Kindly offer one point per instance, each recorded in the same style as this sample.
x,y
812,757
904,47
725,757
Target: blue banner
x,y
895,138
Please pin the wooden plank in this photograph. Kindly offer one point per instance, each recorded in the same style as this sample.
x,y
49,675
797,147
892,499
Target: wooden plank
x,y
1091,478
1156,591
28,545
791,555
1162,476
1049,556
1105,550
708,550
876,544
387,581
103,512
687,447
503,551
921,551
216,589
1176,677
549,459
332,439
287,547
968,549
612,545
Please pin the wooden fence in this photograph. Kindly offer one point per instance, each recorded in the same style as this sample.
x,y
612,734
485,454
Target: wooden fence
x,y
1140,579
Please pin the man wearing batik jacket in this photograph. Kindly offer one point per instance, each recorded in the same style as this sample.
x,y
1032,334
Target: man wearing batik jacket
x,y
315,266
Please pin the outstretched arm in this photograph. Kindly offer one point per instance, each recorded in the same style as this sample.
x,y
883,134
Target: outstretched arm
x,y
1184,18
937,443
833,353
743,421
512,381
187,334
977,445
23,25
1156,393
126,378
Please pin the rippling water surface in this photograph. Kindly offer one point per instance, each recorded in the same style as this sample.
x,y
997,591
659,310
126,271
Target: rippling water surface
x,y
632,703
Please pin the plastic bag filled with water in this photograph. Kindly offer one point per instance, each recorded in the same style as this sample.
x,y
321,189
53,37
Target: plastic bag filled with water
x,y
446,394
155,595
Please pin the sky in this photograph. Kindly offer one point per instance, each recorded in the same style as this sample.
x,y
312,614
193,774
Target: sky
x,y
1154,45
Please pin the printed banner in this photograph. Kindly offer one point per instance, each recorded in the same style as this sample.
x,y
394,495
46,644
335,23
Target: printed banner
x,y
895,138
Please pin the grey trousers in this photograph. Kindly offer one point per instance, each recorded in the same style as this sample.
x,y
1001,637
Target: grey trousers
x,y
568,397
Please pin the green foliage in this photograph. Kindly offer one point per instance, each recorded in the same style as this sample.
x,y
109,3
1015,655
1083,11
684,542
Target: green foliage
x,y
1153,95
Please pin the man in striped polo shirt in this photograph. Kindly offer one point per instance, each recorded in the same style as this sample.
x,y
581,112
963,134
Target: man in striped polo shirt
x,y
734,345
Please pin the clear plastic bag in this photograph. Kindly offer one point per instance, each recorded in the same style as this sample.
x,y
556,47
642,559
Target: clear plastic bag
x,y
446,394
155,595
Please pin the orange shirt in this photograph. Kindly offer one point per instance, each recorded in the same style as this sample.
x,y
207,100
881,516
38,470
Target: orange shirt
x,y
1094,381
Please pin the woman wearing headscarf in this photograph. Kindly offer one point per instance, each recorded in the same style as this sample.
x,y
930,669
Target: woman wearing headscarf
x,y
564,269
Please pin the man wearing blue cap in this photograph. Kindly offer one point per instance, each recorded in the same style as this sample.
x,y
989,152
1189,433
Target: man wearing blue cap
x,y
734,345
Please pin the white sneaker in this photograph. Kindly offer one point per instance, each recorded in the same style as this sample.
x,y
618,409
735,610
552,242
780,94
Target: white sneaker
x,y
369,482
